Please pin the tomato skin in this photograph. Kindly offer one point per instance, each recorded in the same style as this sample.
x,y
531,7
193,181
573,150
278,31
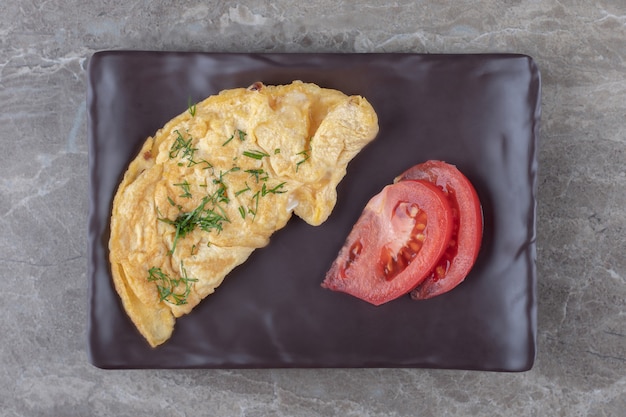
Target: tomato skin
x,y
468,228
393,246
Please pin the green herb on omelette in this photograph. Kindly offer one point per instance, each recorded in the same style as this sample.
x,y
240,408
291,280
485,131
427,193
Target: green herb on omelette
x,y
167,286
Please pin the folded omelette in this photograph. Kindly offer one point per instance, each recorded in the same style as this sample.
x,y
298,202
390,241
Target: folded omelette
x,y
216,181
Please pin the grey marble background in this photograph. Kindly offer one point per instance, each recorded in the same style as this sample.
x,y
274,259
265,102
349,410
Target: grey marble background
x,y
580,47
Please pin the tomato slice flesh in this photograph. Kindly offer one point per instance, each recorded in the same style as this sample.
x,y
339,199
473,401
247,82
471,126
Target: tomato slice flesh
x,y
393,259
398,239
464,245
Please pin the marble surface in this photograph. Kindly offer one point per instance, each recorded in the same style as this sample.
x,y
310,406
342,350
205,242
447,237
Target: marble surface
x,y
579,46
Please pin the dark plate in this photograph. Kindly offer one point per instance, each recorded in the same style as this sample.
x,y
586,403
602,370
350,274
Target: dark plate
x,y
480,112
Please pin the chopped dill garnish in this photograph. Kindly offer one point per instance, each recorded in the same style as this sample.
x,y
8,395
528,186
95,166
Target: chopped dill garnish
x,y
240,134
206,219
255,198
233,169
255,154
220,195
201,161
180,144
191,107
221,192
305,157
186,190
243,190
256,173
276,190
167,285
183,148
228,140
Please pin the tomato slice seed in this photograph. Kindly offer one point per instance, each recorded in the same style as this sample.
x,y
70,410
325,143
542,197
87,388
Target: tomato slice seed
x,y
441,270
355,251
415,245
394,262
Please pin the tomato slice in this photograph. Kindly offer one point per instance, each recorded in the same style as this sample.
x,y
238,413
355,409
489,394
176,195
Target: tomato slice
x,y
396,242
463,248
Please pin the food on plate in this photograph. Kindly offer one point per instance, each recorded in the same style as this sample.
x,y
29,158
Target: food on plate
x,y
216,181
397,241
420,234
467,231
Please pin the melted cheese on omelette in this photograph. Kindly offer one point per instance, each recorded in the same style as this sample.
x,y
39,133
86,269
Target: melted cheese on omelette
x,y
216,181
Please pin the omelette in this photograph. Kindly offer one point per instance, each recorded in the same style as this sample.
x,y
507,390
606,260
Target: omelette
x,y
216,181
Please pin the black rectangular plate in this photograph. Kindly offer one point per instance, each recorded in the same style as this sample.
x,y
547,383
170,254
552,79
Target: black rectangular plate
x,y
479,112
